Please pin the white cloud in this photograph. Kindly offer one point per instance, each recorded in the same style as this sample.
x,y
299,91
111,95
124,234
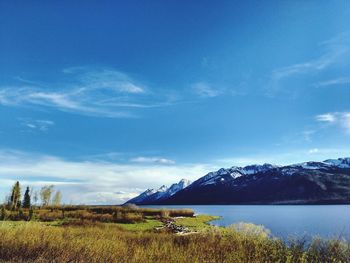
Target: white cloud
x,y
327,117
205,90
91,181
92,92
104,182
66,101
314,150
341,119
333,82
38,125
307,135
336,51
156,160
106,79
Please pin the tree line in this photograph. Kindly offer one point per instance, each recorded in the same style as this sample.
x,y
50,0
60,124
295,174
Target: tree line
x,y
47,195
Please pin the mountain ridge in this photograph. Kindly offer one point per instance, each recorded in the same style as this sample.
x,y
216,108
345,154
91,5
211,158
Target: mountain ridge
x,y
302,183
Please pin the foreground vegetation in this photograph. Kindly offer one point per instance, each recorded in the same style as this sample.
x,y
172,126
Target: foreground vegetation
x,y
101,242
50,232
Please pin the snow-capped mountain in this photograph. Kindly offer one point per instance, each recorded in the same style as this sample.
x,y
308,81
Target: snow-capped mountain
x,y
327,164
143,196
308,182
232,173
164,192
174,188
341,162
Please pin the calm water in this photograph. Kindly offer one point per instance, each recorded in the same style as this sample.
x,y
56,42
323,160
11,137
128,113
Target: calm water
x,y
284,220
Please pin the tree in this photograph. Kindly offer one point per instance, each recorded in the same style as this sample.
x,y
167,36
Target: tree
x,y
15,199
35,196
56,200
26,199
45,194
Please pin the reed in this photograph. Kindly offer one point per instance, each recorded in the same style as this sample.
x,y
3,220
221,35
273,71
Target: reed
x,y
37,242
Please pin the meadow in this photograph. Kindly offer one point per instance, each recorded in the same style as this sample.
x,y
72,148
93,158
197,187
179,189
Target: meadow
x,y
87,234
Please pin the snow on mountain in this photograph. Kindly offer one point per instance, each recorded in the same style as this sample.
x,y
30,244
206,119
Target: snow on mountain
x,y
253,169
151,195
234,172
143,196
174,188
238,177
326,182
341,162
335,163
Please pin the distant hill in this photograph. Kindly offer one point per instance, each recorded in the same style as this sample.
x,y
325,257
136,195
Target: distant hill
x,y
326,182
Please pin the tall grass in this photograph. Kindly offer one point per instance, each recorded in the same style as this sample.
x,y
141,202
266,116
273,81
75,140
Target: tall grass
x,y
35,242
106,214
82,235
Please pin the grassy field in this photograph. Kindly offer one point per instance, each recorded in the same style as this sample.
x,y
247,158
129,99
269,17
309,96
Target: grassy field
x,y
95,241
198,223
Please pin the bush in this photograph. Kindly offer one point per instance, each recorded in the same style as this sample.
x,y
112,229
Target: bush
x,y
48,215
164,213
251,230
127,217
3,213
131,207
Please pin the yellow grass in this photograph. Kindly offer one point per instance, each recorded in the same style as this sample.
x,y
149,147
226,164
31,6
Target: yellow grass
x,y
42,242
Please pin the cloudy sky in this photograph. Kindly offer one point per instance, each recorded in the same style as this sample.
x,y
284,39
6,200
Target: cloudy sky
x,y
107,98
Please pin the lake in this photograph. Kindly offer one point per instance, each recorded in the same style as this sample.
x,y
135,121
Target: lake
x,y
284,221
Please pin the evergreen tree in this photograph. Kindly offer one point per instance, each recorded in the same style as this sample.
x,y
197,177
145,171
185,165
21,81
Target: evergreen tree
x,y
15,199
26,199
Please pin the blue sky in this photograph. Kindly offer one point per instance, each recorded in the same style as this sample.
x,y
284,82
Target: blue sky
x,y
107,98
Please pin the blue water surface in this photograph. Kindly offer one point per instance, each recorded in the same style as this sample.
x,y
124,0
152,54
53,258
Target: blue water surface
x,y
285,221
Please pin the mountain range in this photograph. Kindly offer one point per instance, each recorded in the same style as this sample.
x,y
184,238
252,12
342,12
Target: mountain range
x,y
326,182
163,193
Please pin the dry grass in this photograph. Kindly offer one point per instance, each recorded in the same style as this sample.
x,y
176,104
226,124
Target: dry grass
x,y
37,242
126,234
105,214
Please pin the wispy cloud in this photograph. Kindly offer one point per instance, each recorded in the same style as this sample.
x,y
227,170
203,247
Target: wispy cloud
x,y
37,125
82,90
307,135
152,160
205,90
105,79
67,101
336,51
327,117
313,151
333,82
341,119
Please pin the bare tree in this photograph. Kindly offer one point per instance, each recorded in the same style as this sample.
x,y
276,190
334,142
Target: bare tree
x,y
15,198
35,196
57,198
45,194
